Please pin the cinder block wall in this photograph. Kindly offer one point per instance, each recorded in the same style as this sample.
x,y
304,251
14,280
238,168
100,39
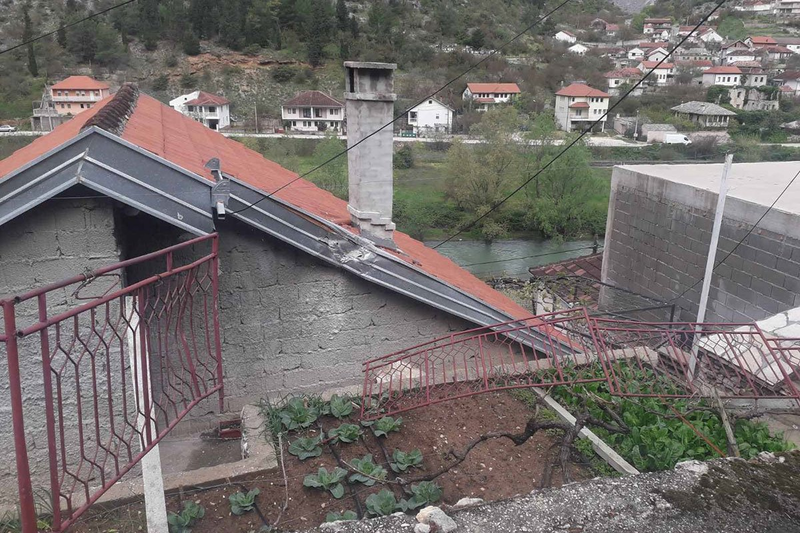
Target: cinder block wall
x,y
292,323
657,240
56,240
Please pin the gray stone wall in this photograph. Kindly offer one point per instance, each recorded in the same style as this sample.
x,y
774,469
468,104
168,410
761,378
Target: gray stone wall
x,y
291,323
657,240
57,240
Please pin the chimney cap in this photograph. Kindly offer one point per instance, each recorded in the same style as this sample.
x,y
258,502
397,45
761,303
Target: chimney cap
x,y
370,64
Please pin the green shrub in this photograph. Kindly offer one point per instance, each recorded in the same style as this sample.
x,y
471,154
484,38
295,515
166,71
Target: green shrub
x,y
283,73
243,502
404,157
191,44
346,433
298,413
339,406
368,471
182,522
386,425
161,83
330,481
306,447
402,461
383,503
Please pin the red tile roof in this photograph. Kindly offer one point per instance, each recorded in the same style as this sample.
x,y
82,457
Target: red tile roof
x,y
654,65
205,98
588,266
723,70
580,89
628,72
188,144
81,83
313,98
762,39
512,88
578,105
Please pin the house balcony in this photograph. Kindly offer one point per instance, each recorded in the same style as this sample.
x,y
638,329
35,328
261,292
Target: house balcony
x,y
79,99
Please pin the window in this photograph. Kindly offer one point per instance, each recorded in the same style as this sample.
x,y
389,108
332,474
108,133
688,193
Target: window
x,y
294,123
437,117
81,106
333,124
412,115
212,109
306,112
191,109
334,112
430,101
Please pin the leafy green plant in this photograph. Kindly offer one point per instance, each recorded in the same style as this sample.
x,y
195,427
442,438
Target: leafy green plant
x,y
336,517
346,433
330,481
384,503
340,406
298,413
182,522
386,425
402,461
368,471
306,447
242,502
425,493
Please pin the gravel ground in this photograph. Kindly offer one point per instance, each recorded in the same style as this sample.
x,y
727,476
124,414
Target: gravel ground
x,y
719,496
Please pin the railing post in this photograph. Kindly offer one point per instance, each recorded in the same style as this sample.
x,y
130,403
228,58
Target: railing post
x,y
27,510
49,413
215,314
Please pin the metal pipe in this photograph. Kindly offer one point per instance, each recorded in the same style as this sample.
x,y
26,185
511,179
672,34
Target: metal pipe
x,y
27,509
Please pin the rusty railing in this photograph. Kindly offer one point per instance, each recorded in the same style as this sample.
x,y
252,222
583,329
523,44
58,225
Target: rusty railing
x,y
117,372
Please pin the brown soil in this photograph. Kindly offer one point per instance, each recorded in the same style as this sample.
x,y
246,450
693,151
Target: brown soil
x,y
493,470
200,62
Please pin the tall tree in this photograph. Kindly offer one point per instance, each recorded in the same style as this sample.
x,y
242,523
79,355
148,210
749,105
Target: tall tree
x,y
149,23
27,35
232,14
318,30
342,16
82,41
261,25
203,16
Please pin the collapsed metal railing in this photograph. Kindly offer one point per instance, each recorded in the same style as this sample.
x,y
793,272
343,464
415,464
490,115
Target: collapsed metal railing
x,y
117,373
658,359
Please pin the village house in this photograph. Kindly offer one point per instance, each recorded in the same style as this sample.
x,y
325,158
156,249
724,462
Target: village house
x,y
787,8
700,64
726,76
578,49
706,114
662,74
691,54
736,55
753,74
792,43
566,37
431,116
657,27
578,106
758,41
755,6
788,81
309,286
656,54
481,96
313,111
615,79
636,53
776,53
76,94
754,99
211,110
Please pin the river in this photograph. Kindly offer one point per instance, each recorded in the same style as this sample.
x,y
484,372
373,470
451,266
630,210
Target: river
x,y
510,257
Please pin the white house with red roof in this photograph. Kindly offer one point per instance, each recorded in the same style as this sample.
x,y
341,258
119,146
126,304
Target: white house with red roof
x,y
727,76
757,41
657,27
656,54
76,94
662,73
578,106
212,110
615,79
481,96
313,111
566,37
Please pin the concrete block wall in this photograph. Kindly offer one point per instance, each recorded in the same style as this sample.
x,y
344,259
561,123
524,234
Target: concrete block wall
x,y
292,323
657,240
56,240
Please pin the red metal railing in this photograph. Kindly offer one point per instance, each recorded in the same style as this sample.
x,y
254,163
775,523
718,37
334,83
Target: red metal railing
x,y
118,372
666,360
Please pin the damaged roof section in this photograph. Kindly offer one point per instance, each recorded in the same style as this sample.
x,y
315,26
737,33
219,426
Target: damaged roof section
x,y
148,155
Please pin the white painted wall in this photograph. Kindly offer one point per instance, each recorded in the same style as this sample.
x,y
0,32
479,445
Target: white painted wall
x,y
431,115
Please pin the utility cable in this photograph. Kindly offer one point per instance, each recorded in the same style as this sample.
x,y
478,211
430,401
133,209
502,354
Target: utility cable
x,y
401,115
585,131
65,26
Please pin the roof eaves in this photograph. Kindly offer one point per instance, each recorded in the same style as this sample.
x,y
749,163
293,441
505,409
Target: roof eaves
x,y
338,246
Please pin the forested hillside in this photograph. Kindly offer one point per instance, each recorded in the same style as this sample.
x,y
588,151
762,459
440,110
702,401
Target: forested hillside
x,y
258,52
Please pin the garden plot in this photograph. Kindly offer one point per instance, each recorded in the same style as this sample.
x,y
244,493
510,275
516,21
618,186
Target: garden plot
x,y
360,478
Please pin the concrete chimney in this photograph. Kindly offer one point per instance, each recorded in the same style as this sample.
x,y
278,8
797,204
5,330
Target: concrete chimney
x,y
369,105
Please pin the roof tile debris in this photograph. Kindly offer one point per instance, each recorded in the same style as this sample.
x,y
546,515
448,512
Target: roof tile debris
x,y
113,116
588,266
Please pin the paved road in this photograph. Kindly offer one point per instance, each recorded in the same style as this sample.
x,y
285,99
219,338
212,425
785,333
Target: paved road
x,y
592,141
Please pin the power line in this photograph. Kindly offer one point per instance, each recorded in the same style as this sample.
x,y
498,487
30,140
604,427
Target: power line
x,y
401,115
741,241
65,26
584,132
531,256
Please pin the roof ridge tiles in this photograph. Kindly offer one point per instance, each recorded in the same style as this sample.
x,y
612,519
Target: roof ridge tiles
x,y
113,117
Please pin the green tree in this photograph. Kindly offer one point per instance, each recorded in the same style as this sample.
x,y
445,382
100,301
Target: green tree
x,y
191,44
111,52
732,28
318,30
232,15
82,41
342,16
718,94
149,23
161,83
203,16
27,35
332,176
261,24
477,39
